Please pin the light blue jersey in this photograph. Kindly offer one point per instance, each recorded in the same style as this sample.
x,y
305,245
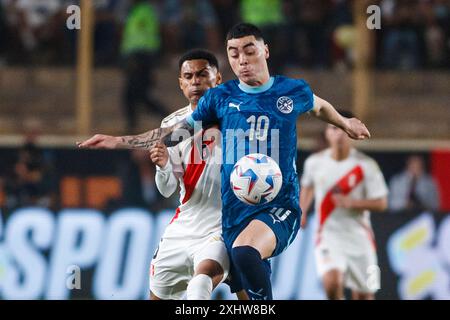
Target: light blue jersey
x,y
268,116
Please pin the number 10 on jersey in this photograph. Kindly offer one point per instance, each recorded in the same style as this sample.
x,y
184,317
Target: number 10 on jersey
x,y
258,127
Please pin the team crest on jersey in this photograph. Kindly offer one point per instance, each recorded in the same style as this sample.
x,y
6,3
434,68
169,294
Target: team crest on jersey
x,y
285,104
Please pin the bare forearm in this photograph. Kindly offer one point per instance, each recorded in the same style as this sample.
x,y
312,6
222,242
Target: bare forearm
x,y
371,205
170,136
306,198
326,112
354,128
140,141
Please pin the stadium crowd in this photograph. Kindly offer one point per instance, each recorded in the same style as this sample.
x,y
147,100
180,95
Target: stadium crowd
x,y
307,33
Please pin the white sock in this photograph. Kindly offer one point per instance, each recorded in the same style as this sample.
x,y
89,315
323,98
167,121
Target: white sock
x,y
199,288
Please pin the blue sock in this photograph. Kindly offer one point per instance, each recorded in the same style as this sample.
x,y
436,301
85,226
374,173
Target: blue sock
x,y
254,272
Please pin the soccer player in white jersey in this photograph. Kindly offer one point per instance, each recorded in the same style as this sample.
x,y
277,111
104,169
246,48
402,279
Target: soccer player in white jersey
x,y
346,185
191,257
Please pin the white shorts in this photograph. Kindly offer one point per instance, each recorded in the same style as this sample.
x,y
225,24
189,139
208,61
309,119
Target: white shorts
x,y
361,271
175,261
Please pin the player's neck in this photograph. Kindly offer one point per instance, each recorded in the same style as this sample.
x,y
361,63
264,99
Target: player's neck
x,y
256,89
193,105
340,153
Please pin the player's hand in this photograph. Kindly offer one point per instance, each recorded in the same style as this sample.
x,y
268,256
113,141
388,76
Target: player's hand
x,y
159,155
356,129
342,201
304,220
100,141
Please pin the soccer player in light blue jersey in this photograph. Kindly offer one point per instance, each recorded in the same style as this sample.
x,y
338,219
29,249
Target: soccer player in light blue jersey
x,y
265,108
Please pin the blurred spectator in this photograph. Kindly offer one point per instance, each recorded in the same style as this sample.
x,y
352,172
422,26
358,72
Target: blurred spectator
x,y
33,25
140,47
310,33
227,15
437,31
106,30
31,181
413,189
138,182
343,34
190,24
109,18
403,36
268,15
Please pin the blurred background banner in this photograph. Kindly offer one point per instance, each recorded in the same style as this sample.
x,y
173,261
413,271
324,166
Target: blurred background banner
x,y
70,69
43,253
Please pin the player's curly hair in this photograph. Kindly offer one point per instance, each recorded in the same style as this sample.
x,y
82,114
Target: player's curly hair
x,y
197,54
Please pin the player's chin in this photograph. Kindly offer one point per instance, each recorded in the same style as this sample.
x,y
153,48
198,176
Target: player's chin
x,y
194,97
246,76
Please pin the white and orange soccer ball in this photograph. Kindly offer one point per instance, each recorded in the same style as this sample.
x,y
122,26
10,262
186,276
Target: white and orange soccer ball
x,y
256,179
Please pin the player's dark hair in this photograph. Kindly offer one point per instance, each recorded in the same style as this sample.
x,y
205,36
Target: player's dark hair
x,y
199,54
241,30
346,113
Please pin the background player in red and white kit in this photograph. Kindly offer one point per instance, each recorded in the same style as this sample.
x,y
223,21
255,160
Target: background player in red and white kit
x,y
191,257
346,185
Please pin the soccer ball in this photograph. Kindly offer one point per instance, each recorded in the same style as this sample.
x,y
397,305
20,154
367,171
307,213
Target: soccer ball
x,y
256,179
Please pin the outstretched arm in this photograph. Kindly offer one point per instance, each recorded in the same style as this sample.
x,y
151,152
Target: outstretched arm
x,y
354,128
170,136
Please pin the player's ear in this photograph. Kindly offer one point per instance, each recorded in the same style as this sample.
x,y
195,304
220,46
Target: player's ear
x,y
218,78
266,51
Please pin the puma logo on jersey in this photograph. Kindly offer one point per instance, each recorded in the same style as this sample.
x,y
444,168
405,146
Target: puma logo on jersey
x,y
234,105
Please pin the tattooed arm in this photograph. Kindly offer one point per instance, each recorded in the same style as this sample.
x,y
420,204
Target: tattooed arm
x,y
170,136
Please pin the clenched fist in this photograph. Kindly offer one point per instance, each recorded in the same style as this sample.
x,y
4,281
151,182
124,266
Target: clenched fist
x,y
159,154
356,129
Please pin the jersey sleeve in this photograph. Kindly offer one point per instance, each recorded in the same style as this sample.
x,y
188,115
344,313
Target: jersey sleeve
x,y
166,182
305,97
375,185
307,179
206,110
167,178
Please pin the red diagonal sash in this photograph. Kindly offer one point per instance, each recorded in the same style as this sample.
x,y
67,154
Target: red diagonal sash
x,y
192,174
344,186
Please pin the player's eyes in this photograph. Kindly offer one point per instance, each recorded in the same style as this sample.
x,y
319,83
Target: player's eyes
x,y
249,53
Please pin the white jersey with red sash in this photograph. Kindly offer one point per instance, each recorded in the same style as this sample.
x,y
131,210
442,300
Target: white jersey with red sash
x,y
194,234
194,166
359,177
